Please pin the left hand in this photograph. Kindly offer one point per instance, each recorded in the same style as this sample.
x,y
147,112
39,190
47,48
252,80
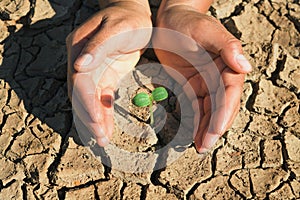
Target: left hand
x,y
226,54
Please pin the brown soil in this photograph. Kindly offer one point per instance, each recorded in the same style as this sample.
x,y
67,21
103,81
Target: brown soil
x,y
41,157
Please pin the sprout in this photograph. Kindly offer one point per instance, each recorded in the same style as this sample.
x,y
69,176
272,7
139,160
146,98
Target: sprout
x,y
142,99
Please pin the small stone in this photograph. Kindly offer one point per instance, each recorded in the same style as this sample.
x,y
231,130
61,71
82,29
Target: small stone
x,y
87,193
216,188
272,154
292,146
266,180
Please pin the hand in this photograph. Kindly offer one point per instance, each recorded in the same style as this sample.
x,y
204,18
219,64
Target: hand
x,y
100,52
217,107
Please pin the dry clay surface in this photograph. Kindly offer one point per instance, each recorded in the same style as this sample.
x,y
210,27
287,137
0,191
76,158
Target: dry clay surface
x,y
41,156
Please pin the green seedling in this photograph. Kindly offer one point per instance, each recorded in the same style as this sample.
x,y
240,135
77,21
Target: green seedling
x,y
142,99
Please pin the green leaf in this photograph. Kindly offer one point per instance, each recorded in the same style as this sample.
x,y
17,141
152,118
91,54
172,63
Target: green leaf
x,y
141,100
159,94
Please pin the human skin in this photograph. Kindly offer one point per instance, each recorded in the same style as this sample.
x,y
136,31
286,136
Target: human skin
x,y
91,97
188,17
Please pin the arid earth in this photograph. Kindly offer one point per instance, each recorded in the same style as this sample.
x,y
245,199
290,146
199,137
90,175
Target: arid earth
x,y
42,157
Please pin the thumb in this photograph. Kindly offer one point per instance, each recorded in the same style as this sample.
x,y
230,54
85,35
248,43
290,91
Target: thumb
x,y
216,39
93,54
111,44
232,55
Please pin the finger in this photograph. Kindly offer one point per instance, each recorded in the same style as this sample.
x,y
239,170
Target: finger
x,y
233,83
197,105
203,127
227,107
111,41
85,91
95,128
94,106
219,41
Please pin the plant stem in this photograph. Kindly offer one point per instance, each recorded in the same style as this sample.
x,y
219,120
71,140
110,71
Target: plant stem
x,y
151,113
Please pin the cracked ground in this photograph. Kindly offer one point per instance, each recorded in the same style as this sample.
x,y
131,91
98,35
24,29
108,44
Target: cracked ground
x,y
41,156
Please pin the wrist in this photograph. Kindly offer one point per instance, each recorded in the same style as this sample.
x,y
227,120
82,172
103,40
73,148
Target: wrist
x,y
196,5
144,4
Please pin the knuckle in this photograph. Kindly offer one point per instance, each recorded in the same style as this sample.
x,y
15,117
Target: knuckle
x,y
233,42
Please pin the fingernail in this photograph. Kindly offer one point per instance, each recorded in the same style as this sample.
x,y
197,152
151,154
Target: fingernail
x,y
84,60
244,63
104,141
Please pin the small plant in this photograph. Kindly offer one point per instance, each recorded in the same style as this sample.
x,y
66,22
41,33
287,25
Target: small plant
x,y
143,99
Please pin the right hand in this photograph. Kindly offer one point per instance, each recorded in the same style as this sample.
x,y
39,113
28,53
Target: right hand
x,y
95,66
